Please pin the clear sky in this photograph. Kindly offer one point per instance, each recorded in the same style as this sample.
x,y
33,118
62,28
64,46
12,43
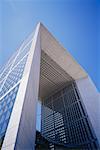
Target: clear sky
x,y
75,23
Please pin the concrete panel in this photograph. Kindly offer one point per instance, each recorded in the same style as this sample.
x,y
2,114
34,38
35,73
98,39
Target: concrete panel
x,y
91,100
60,55
27,127
23,118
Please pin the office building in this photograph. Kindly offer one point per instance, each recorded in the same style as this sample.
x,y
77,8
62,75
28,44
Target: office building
x,y
41,69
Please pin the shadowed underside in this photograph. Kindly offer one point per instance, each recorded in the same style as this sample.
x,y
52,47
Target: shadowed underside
x,y
47,69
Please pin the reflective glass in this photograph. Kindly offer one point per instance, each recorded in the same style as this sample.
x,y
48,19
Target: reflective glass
x,y
6,106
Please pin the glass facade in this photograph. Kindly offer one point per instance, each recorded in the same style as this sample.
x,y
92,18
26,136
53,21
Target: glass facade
x,y
10,78
6,106
65,121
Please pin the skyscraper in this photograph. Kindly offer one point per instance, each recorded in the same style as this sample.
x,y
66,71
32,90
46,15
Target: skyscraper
x,y
41,69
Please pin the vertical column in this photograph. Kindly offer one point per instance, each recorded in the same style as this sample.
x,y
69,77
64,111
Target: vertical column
x,y
91,101
21,130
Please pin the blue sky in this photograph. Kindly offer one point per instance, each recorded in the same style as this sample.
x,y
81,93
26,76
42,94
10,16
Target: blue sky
x,y
75,23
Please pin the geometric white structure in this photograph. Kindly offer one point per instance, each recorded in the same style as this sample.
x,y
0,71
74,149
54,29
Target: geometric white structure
x,y
46,68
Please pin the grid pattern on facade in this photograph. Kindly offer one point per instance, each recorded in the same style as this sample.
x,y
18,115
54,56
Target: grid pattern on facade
x,y
13,70
52,76
6,106
22,54
4,70
14,76
64,119
17,56
10,78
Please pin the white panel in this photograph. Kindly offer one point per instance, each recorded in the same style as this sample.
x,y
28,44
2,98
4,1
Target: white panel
x,y
91,101
61,56
16,122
